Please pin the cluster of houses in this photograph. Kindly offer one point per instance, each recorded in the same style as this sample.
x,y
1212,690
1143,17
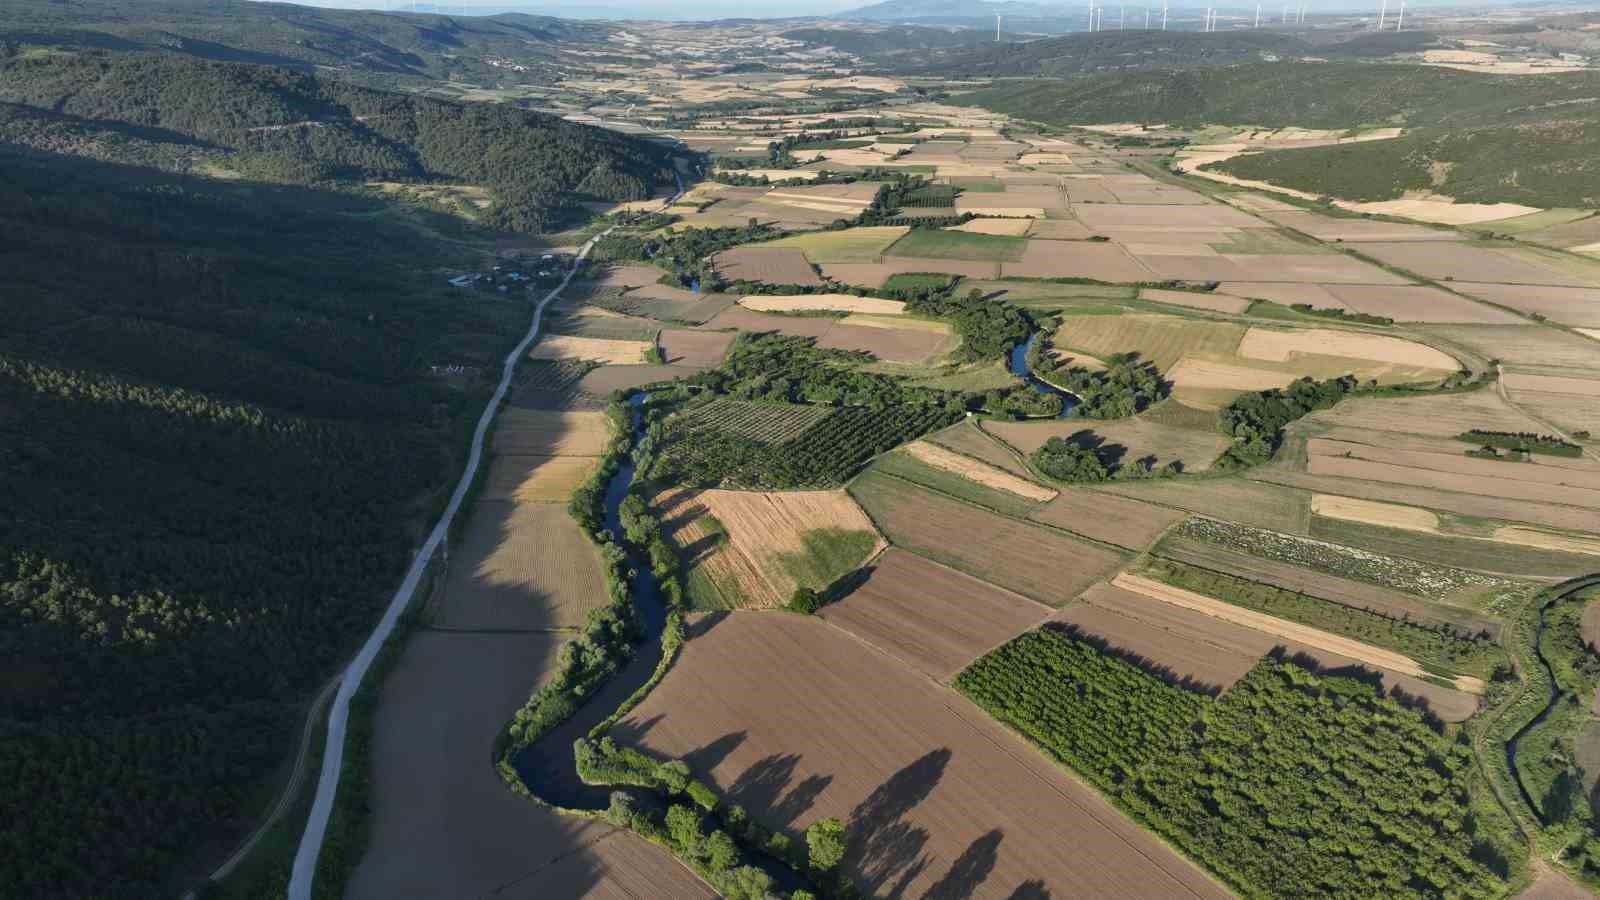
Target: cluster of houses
x,y
547,271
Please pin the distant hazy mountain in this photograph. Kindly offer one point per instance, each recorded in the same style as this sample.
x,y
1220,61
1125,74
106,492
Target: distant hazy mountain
x,y
975,13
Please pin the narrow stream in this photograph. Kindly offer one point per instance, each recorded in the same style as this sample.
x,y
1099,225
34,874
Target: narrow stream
x,y
1550,704
1017,364
547,766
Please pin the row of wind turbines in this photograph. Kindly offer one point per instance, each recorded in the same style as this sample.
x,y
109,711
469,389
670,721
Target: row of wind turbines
x,y
1295,16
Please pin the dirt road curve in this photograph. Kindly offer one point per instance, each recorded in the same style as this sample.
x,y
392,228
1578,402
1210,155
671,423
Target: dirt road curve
x,y
305,858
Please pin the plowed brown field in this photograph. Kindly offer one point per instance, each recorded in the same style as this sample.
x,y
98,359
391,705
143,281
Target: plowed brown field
x,y
1104,517
939,800
934,618
694,351
1033,560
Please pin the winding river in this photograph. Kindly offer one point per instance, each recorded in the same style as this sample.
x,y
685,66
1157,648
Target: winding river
x,y
1017,364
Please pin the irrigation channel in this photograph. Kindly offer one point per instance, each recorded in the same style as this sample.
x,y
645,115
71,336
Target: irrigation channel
x,y
1018,366
1556,595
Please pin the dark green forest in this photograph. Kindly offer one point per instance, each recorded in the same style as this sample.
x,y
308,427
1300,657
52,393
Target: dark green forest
x,y
218,433
280,125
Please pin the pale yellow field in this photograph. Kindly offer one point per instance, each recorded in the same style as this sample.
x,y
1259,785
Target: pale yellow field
x,y
1548,540
1280,346
760,530
1369,512
839,302
548,432
537,479
980,472
1209,374
601,350
1321,640
867,320
848,245
1010,227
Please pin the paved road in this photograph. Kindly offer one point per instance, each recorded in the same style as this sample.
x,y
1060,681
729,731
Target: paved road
x,y
305,858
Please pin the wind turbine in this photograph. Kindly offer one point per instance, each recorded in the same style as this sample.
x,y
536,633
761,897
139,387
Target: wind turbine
x,y
1122,16
1398,22
1147,18
1258,15
1383,13
1163,15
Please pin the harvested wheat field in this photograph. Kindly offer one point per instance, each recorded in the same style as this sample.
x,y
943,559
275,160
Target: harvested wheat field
x,y
1538,346
1283,628
933,793
1577,387
1177,636
1246,502
536,479
1405,303
1548,540
1058,230
1282,346
1368,512
1357,594
773,265
600,350
1445,415
1104,517
835,302
885,341
1038,562
1468,262
546,432
694,350
1161,339
980,472
1211,383
772,543
966,438
521,566
1008,227
1139,437
1216,302
935,619
458,832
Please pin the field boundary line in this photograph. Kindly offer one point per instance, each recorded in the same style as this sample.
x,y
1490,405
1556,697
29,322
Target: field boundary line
x,y
303,872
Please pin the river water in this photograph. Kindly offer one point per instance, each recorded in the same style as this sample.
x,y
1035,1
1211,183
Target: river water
x,y
547,766
1018,365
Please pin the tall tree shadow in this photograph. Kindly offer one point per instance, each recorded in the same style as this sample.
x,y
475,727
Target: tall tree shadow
x,y
1032,889
884,847
763,786
970,869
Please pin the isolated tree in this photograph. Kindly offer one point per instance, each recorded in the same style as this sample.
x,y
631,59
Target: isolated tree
x,y
805,601
825,844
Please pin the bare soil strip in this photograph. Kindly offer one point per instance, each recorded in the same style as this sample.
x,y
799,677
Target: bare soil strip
x,y
1322,640
936,619
1108,518
980,472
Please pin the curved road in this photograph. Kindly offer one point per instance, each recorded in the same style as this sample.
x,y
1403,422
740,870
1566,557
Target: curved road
x,y
305,858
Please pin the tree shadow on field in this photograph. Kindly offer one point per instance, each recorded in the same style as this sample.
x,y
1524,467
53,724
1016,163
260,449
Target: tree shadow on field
x,y
971,869
711,755
1111,455
884,847
630,732
1033,889
762,787
699,626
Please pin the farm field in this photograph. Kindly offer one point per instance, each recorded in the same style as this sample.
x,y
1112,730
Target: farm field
x,y
1531,346
1076,259
1435,416
521,566
903,465
665,303
1277,628
550,432
849,245
768,423
933,792
773,265
1214,301
600,350
835,302
1436,609
934,618
1107,518
1162,340
1138,437
693,351
536,479
977,471
459,832
1514,560
1418,304
602,381
1251,503
1038,562
757,548
967,438
888,340
932,244
1474,262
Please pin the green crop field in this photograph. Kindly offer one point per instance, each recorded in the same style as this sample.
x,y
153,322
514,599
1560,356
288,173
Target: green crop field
x,y
936,244
844,246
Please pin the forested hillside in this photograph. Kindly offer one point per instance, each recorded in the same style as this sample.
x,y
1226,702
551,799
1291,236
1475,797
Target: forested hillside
x,y
366,44
1126,51
218,433
1475,137
268,123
